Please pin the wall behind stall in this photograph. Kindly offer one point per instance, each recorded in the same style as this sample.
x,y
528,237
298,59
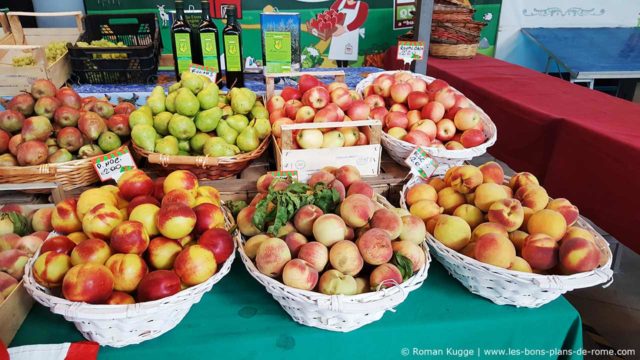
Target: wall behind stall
x,y
515,47
57,5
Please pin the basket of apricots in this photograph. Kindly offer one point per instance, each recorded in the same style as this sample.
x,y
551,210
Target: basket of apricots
x,y
504,238
331,251
127,262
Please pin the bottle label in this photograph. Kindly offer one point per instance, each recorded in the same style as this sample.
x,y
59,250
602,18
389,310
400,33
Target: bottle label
x,y
232,53
277,49
183,51
209,50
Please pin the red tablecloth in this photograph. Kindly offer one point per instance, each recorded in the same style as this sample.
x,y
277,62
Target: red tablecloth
x,y
582,144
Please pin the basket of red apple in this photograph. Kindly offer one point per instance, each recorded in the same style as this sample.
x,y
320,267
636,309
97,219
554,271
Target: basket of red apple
x,y
505,239
54,135
130,261
418,110
335,255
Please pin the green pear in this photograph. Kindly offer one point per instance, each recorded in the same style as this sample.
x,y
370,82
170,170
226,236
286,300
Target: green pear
x,y
215,146
181,127
158,136
207,120
187,104
197,142
174,87
170,102
242,101
193,83
140,117
161,122
147,109
227,111
60,156
259,112
236,150
183,153
248,140
168,145
109,141
205,79
223,100
208,97
184,145
238,122
262,126
156,103
158,90
144,136
89,150
226,132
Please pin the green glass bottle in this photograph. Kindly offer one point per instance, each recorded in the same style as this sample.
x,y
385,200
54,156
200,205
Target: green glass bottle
x,y
209,46
232,39
183,41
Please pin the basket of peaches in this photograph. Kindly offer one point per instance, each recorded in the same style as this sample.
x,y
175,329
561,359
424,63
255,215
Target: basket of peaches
x,y
504,238
332,252
418,110
128,261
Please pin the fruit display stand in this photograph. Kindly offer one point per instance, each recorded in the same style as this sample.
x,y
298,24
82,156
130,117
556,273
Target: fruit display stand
x,y
399,150
13,79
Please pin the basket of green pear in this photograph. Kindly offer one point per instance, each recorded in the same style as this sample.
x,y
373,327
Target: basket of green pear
x,y
331,251
195,127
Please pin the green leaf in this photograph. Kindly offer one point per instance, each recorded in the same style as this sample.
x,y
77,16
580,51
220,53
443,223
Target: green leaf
x,y
404,264
235,206
21,225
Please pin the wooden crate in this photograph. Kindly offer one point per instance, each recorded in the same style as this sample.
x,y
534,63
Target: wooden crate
x,y
22,41
13,311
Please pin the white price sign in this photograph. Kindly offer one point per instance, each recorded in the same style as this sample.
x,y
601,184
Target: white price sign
x,y
421,163
410,50
203,70
114,164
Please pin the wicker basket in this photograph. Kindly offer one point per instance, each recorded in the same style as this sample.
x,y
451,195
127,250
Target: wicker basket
x,y
453,51
122,325
204,167
336,312
70,175
399,150
508,287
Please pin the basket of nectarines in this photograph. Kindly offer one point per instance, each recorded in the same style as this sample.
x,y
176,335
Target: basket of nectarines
x,y
418,110
505,239
332,252
126,263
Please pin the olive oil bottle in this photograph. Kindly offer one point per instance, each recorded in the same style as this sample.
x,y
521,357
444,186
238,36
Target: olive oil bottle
x,y
183,41
208,34
232,39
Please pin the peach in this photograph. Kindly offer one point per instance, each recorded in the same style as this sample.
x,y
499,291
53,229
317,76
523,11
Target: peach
x,y
208,216
564,207
356,210
469,250
195,265
471,214
210,193
305,217
362,285
321,177
465,178
401,212
93,251
507,212
492,172
142,199
453,232
120,298
8,241
361,187
273,254
350,234
375,246
300,274
181,179
245,221
520,264
129,237
518,238
58,244
251,246
449,199
425,209
90,283
487,194
437,183
388,221
339,187
128,270
219,242
146,214
522,179
527,215
157,285
294,241
447,175
333,282
495,249
413,229
29,244
13,261
508,190
344,256
7,285
264,181
178,196
420,192
578,255
431,223
574,231
77,237
50,267
532,196
135,183
328,229
101,220
411,251
548,222
162,252
488,228
315,254
41,219
540,251
385,276
64,218
347,174
176,221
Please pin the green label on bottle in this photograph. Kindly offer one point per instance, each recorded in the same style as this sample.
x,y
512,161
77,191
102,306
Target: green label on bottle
x,y
277,49
232,53
183,51
209,51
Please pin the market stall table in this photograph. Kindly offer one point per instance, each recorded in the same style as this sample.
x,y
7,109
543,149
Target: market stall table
x,y
238,319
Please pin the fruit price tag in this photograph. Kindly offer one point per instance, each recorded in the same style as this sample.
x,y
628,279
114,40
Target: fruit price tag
x,y
114,164
421,163
293,174
410,50
203,70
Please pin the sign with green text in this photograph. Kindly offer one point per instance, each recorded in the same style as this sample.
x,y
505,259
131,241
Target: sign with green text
x,y
114,164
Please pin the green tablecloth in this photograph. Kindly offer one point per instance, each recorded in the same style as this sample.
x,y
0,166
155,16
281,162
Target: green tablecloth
x,y
238,319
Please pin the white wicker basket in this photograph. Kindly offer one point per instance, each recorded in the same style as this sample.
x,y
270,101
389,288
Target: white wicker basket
x,y
336,312
122,325
508,287
399,150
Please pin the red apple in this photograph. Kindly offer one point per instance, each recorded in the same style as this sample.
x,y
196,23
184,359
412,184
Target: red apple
x,y
396,119
426,126
316,97
307,82
400,91
417,137
275,103
472,137
417,100
382,85
378,113
445,96
374,101
289,93
399,108
359,110
433,111
305,114
418,84
446,130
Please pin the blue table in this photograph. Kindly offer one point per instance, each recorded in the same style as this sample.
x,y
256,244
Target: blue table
x,y
591,53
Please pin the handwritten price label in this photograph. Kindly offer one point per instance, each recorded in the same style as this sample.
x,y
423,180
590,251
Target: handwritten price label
x,y
421,163
114,164
203,70
410,50
293,174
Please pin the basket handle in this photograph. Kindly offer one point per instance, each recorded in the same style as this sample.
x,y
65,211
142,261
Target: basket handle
x,y
164,160
18,30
